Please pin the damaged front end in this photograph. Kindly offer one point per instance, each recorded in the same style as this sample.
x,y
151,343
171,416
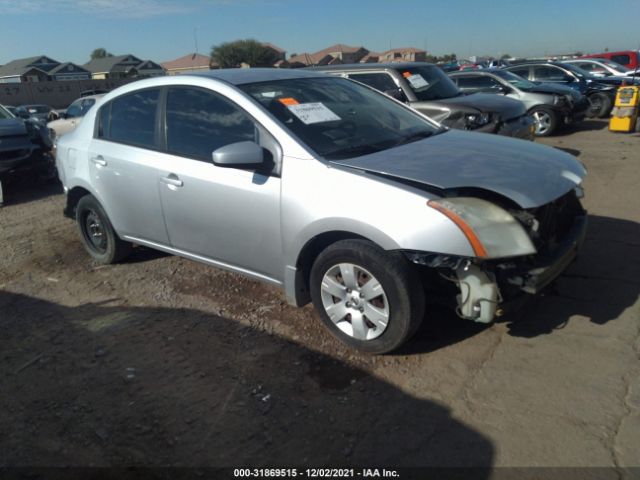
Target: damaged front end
x,y
486,285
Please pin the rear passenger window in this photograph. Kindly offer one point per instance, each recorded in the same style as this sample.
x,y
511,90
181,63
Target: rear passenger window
x,y
200,121
551,74
523,72
133,118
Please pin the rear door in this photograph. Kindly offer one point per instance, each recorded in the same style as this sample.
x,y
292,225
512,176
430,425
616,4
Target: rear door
x,y
228,215
124,159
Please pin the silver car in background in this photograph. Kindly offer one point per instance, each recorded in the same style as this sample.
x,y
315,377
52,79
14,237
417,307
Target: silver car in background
x,y
327,188
551,106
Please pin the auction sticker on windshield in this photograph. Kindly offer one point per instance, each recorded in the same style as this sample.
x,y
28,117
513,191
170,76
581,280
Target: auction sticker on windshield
x,y
315,112
416,80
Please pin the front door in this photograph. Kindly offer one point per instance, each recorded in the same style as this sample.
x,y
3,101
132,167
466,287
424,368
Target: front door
x,y
229,215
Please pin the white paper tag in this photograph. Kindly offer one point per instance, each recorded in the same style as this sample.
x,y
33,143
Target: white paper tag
x,y
417,81
315,112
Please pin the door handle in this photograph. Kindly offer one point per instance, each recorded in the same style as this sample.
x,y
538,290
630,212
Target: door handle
x,y
172,179
99,160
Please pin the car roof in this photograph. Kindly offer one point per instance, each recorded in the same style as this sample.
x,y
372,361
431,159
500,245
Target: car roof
x,y
241,76
372,66
482,71
96,96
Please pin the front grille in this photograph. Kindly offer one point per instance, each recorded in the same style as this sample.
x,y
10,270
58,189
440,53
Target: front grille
x,y
554,221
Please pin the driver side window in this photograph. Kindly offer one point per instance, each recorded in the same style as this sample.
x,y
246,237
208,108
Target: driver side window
x,y
199,122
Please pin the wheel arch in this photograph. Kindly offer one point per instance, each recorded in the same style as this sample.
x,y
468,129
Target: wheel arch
x,y
73,197
308,254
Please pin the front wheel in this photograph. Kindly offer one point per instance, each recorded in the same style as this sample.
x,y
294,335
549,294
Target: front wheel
x,y
600,105
546,120
98,236
369,299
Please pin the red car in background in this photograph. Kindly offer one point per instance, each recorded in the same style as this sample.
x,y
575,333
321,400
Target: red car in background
x,y
628,58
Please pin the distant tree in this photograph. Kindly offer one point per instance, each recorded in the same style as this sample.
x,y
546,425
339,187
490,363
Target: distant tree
x,y
100,53
505,56
606,49
579,53
251,52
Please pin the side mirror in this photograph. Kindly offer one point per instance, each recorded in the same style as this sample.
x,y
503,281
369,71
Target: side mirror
x,y
239,155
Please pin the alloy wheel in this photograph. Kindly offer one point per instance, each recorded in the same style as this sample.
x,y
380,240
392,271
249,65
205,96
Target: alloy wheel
x,y
542,121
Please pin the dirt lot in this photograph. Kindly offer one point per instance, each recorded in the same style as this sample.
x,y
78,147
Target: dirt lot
x,y
162,361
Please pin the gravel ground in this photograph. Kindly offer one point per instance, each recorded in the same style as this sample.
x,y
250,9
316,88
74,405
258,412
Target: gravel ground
x,y
162,361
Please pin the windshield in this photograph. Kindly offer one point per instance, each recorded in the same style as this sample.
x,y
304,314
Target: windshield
x,y
515,80
4,113
338,118
429,83
578,72
614,65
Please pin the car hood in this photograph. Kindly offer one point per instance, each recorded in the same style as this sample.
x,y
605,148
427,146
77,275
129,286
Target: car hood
x,y
530,175
10,127
507,108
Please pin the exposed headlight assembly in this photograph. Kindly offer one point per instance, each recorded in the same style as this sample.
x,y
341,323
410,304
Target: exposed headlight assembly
x,y
475,120
491,231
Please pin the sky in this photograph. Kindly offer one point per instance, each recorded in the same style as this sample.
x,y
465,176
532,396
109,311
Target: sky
x,y
161,30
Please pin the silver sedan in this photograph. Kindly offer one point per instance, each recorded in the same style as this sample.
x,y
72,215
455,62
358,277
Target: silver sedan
x,y
327,188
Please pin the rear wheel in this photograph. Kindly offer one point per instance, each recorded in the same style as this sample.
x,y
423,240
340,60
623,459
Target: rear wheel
x,y
600,105
546,120
98,236
370,299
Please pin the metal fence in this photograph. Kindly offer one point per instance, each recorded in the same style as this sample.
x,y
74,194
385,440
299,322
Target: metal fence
x,y
55,94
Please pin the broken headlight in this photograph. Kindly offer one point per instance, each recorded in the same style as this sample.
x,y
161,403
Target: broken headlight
x,y
491,231
475,120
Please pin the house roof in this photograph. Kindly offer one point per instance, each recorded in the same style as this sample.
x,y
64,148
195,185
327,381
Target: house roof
x,y
63,66
404,50
192,60
106,64
370,56
22,65
304,58
338,47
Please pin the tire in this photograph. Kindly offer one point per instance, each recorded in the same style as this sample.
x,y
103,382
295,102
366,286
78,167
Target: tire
x,y
98,236
400,296
601,105
546,120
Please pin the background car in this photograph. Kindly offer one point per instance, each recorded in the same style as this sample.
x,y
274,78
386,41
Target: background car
x,y
601,67
626,58
24,148
234,178
549,105
39,113
600,92
72,116
429,90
